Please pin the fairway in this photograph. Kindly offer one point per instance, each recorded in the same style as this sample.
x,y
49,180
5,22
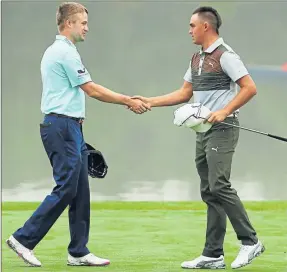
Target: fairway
x,y
148,236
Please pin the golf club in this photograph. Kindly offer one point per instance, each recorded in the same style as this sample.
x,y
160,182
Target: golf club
x,y
240,127
259,132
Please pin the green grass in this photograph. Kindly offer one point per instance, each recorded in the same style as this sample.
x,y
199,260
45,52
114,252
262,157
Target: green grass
x,y
148,236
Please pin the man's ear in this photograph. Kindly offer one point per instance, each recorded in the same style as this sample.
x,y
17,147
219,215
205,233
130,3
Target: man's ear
x,y
68,23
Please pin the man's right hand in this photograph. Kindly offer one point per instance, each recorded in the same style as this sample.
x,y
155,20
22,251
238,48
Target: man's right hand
x,y
138,106
146,100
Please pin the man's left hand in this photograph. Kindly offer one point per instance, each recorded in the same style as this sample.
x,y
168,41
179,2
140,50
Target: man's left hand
x,y
217,116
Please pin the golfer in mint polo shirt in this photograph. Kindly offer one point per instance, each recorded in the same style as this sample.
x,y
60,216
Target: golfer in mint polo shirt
x,y
65,83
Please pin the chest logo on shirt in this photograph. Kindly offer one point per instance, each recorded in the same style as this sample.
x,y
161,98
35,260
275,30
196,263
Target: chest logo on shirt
x,y
210,63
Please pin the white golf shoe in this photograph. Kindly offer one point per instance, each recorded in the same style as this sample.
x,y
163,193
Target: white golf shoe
x,y
247,254
203,262
26,254
87,260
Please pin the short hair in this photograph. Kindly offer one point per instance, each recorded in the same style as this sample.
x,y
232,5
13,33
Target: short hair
x,y
66,10
211,15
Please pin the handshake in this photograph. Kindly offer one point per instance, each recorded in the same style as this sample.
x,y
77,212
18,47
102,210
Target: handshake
x,y
139,104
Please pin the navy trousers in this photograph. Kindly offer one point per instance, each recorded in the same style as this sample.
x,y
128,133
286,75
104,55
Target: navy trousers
x,y
64,144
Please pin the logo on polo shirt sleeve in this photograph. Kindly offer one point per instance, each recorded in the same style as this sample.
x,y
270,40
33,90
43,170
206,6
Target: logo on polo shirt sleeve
x,y
82,71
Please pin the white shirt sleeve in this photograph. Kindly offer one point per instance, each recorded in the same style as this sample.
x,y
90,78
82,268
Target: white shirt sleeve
x,y
233,66
188,77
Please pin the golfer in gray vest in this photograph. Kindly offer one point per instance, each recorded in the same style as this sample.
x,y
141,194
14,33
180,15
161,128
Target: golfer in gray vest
x,y
213,78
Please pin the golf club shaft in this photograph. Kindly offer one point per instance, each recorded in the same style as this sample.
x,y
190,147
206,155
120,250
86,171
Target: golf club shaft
x,y
259,132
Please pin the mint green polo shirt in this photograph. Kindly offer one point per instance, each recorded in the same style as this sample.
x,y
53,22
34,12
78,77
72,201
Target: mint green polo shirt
x,y
62,73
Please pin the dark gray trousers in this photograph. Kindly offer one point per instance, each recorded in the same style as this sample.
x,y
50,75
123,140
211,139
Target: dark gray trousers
x,y
214,152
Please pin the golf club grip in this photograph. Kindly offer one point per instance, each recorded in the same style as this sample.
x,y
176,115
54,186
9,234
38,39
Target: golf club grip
x,y
278,137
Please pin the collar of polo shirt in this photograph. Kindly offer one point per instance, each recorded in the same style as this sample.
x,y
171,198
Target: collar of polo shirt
x,y
64,38
212,47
